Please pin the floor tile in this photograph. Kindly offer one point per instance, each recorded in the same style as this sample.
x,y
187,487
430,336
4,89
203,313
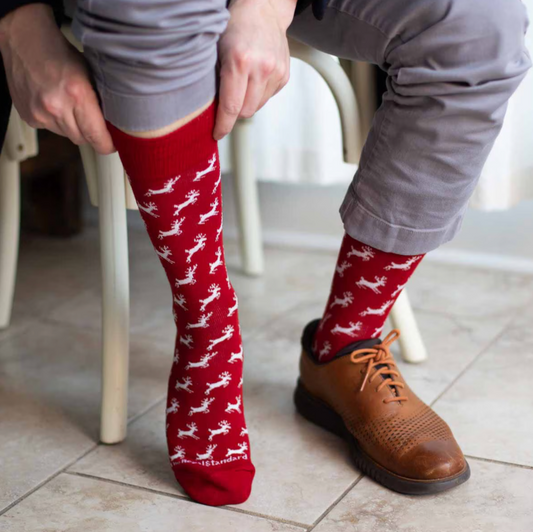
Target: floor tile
x,y
50,397
71,502
496,498
491,406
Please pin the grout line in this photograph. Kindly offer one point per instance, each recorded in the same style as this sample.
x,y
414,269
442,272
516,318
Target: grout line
x,y
501,462
47,480
469,365
187,499
337,501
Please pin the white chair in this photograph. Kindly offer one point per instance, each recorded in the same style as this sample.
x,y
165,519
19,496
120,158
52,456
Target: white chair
x,y
110,191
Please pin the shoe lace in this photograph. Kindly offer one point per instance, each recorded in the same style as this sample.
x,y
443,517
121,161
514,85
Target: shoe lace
x,y
380,355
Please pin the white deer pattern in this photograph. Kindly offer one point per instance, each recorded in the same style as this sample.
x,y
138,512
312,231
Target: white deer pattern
x,y
228,333
200,244
175,230
202,323
243,447
203,363
373,285
350,331
224,380
191,433
233,309
210,168
210,214
168,187
180,300
377,311
223,428
165,253
234,407
218,262
149,208
208,453
185,385
203,408
173,408
236,356
187,341
214,290
344,302
403,265
189,277
341,268
191,196
366,254
179,452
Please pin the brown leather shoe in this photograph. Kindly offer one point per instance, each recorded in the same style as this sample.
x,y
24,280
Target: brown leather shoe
x,y
394,437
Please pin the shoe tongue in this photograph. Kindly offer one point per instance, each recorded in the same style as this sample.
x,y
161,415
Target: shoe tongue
x,y
360,344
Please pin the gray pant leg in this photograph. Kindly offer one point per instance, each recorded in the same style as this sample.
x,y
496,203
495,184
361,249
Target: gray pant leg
x,y
452,66
153,60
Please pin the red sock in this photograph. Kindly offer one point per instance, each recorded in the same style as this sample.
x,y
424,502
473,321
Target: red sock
x,y
366,284
176,181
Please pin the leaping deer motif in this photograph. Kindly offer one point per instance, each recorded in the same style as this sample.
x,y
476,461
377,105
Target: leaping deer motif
x,y
219,231
366,254
202,323
175,230
149,208
189,277
217,182
203,408
377,311
185,385
165,253
402,265
350,331
191,196
210,168
244,432
374,286
243,447
344,301
378,331
208,453
180,300
224,380
203,363
173,408
191,433
223,428
326,349
168,187
399,288
187,341
200,244
235,357
341,268
179,452
214,290
228,333
218,262
234,407
210,214
235,307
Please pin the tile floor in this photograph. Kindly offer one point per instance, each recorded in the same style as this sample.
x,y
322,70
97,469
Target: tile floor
x,y
54,477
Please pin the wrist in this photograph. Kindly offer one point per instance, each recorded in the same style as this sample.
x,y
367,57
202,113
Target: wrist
x,y
283,9
21,21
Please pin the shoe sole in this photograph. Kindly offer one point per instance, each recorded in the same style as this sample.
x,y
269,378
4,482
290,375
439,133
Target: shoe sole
x,y
319,413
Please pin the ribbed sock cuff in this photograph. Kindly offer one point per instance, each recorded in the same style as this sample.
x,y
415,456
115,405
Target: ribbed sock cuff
x,y
164,157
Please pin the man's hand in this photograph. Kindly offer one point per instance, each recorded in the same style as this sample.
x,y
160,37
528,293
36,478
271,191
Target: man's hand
x,y
48,78
254,59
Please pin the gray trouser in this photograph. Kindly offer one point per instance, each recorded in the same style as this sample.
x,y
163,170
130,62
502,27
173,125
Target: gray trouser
x,y
452,66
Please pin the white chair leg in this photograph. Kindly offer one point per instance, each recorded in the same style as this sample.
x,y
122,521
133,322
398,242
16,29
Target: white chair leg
x,y
246,198
9,234
115,298
411,344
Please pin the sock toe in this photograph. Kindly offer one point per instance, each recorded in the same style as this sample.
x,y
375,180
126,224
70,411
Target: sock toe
x,y
217,487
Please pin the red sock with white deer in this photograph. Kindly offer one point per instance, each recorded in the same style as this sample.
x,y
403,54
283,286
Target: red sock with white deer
x,y
365,286
176,181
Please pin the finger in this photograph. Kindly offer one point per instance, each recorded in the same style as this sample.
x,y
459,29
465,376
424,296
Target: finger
x,y
69,127
92,125
254,95
231,97
272,88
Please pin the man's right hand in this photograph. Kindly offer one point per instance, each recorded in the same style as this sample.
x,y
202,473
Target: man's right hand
x,y
48,78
